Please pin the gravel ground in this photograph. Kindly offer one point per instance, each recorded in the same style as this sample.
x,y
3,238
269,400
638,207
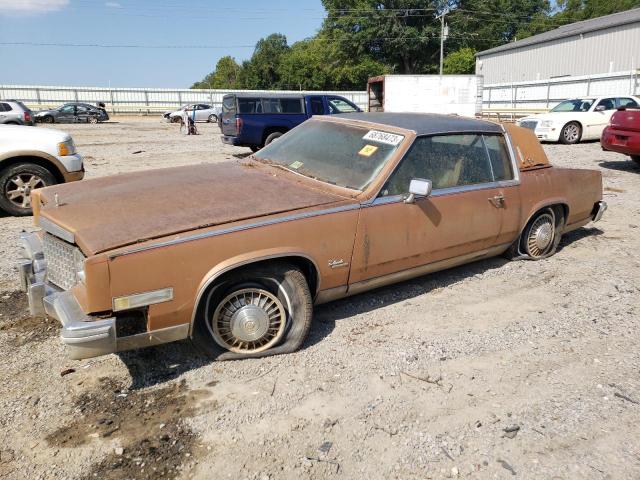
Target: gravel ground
x,y
491,370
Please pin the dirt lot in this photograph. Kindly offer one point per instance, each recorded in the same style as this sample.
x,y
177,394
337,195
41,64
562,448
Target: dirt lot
x,y
492,370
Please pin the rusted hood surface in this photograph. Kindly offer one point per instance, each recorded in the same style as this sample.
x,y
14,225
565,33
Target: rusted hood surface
x,y
110,212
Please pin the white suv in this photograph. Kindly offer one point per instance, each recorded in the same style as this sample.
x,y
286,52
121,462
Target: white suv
x,y
33,158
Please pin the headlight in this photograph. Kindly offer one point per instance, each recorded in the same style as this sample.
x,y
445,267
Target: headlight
x,y
66,148
546,123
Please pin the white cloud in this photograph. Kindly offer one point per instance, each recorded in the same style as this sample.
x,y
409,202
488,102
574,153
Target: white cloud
x,y
112,5
31,6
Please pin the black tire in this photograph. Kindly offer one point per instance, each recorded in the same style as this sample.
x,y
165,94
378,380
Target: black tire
x,y
571,133
36,175
93,120
636,158
542,234
254,148
213,118
279,281
48,119
271,137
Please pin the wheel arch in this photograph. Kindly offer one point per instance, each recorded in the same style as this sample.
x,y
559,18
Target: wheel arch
x,y
273,129
36,158
573,120
305,262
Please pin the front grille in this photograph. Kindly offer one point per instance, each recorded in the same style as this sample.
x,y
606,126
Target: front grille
x,y
530,124
60,257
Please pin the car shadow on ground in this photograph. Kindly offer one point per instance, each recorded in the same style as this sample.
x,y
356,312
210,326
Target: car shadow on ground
x,y
242,155
156,365
621,165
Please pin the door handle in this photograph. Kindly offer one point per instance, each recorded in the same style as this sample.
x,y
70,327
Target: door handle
x,y
498,201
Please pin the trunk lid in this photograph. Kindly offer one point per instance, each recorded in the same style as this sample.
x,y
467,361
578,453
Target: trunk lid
x,y
627,119
110,212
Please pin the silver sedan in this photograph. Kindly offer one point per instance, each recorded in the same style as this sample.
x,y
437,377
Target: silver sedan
x,y
203,111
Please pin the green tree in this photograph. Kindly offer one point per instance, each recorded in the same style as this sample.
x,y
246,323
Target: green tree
x,y
460,62
261,71
225,75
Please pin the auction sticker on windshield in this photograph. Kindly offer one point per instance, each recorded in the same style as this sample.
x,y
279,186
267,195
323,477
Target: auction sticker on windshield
x,y
383,137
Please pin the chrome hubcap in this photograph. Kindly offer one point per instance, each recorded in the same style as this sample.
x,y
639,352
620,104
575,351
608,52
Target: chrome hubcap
x,y
541,235
18,190
571,133
248,320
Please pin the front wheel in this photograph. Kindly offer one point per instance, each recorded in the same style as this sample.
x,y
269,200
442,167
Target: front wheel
x,y
636,158
254,312
16,184
571,133
92,120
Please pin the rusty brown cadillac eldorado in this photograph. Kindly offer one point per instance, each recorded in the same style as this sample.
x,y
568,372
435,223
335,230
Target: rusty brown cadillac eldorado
x,y
234,255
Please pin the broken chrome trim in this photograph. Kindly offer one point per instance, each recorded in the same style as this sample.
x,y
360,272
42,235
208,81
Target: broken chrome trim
x,y
600,208
56,230
238,228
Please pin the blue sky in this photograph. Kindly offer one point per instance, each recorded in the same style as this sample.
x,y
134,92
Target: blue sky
x,y
233,26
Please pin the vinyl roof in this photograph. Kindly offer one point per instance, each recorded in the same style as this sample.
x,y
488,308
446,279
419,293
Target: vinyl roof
x,y
572,29
426,123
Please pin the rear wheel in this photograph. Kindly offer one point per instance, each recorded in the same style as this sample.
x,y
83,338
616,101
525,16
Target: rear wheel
x,y
213,118
254,148
540,237
92,120
16,184
571,133
271,137
254,312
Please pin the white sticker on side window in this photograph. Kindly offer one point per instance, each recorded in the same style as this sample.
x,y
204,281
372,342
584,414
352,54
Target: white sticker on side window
x,y
383,137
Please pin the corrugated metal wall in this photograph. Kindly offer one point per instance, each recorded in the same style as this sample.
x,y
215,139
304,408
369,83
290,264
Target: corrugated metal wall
x,y
134,100
609,50
545,94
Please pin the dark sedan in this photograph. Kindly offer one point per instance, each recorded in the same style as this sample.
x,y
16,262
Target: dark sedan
x,y
73,113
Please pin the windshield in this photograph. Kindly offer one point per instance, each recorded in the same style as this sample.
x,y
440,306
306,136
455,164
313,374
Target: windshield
x,y
335,153
575,105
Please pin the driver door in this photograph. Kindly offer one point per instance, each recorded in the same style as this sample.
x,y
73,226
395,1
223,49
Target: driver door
x,y
462,219
67,114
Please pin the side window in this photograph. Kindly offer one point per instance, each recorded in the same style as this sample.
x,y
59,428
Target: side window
x,y
338,105
82,109
317,107
5,107
499,157
67,109
627,102
271,105
291,105
248,105
447,160
607,103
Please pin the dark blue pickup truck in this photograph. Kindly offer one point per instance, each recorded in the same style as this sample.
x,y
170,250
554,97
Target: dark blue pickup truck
x,y
255,120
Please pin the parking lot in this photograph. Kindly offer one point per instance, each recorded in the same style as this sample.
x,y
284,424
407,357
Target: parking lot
x,y
495,369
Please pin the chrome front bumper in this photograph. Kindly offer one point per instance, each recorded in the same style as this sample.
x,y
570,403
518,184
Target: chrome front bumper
x,y
85,336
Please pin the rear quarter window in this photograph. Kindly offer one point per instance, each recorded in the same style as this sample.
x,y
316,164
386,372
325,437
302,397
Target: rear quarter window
x,y
249,105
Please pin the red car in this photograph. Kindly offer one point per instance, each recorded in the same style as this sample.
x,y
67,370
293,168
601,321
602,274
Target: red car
x,y
622,135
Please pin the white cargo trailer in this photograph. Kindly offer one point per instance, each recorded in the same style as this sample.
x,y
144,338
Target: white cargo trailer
x,y
449,94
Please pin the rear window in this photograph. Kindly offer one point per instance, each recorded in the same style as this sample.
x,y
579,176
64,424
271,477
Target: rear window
x,y
229,104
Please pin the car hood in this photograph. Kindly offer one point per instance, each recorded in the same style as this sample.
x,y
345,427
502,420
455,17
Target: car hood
x,y
556,116
111,212
45,112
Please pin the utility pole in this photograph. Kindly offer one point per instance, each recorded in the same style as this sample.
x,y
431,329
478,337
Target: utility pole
x,y
444,33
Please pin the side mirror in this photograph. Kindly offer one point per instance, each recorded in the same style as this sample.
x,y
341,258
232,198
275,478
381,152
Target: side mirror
x,y
600,108
419,187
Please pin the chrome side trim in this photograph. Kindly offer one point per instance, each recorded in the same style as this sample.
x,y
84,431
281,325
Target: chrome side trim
x,y
56,230
238,228
213,278
514,159
377,282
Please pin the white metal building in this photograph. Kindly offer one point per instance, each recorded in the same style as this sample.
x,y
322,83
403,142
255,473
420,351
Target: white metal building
x,y
600,45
